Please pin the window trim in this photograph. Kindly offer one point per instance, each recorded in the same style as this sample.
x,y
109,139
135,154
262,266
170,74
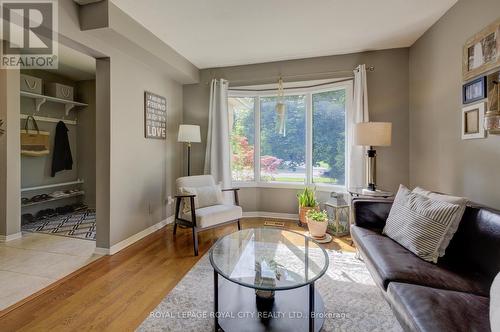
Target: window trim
x,y
309,92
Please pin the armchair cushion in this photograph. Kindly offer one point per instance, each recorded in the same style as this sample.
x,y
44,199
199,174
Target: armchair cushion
x,y
215,214
204,196
195,181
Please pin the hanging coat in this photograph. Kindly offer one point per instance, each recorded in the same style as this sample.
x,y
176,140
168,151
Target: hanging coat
x,y
61,157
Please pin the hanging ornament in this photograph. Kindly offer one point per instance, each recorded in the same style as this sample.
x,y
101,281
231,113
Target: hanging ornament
x,y
281,109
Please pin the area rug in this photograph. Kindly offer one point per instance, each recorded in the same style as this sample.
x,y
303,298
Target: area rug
x,y
349,293
77,224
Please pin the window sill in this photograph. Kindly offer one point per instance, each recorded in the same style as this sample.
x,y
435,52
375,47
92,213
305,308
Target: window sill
x,y
284,185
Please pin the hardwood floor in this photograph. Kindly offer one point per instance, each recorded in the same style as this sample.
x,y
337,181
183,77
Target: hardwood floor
x,y
116,293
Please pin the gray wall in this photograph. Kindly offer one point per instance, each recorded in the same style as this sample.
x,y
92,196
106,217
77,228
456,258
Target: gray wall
x,y
10,162
36,171
86,140
388,101
439,159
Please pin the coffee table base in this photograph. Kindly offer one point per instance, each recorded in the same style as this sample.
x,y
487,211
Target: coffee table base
x,y
237,309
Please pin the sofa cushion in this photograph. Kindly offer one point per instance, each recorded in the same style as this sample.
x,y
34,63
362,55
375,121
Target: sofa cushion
x,y
214,215
420,308
388,261
421,224
476,244
460,201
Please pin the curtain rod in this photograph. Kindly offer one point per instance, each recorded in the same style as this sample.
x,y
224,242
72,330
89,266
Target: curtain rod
x,y
293,87
275,78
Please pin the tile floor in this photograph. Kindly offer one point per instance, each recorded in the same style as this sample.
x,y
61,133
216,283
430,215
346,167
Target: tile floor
x,y
36,260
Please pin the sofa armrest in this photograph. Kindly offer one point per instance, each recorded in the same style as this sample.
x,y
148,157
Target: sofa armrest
x,y
371,213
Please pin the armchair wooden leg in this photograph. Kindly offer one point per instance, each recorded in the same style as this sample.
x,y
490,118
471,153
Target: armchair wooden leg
x,y
195,241
175,227
239,226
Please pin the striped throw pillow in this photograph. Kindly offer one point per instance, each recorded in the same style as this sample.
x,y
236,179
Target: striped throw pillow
x,y
420,224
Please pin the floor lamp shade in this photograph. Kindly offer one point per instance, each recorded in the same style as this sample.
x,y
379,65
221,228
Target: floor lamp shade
x,y
189,134
372,134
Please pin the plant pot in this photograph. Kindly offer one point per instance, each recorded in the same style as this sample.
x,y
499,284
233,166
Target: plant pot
x,y
317,229
303,212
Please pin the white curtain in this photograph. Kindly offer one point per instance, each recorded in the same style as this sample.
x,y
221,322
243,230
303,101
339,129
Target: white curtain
x,y
357,165
217,155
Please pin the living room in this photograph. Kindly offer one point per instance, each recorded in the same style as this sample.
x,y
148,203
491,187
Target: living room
x,y
337,159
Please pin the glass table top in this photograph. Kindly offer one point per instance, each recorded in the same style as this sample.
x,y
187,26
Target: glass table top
x,y
269,259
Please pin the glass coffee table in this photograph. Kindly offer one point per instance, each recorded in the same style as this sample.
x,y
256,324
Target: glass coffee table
x,y
267,282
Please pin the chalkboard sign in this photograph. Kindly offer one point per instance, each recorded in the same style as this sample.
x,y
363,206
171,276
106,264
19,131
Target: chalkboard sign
x,y
155,116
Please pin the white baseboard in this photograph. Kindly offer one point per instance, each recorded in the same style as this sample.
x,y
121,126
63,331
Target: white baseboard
x,y
134,238
7,238
263,214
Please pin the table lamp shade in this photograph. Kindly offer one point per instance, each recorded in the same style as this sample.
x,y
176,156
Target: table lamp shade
x,y
189,133
373,133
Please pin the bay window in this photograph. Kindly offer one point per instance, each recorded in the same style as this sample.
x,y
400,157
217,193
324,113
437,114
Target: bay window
x,y
310,147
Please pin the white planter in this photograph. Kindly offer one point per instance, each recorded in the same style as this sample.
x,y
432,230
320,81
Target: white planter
x,y
316,228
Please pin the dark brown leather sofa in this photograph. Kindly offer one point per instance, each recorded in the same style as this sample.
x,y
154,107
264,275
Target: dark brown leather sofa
x,y
452,295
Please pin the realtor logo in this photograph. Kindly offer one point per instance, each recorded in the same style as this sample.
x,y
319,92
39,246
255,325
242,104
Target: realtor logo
x,y
29,34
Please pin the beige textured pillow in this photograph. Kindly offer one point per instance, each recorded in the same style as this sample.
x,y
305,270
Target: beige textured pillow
x,y
419,223
461,201
205,196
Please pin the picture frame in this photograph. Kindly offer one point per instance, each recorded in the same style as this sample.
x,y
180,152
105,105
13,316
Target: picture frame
x,y
155,116
474,90
481,52
472,121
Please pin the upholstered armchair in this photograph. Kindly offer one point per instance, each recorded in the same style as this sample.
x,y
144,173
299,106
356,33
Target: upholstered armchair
x,y
200,205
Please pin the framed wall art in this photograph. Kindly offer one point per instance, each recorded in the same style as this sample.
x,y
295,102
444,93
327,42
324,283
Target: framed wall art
x,y
481,52
474,90
472,121
155,116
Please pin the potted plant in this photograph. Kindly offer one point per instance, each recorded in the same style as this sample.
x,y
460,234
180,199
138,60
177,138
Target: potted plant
x,y
307,202
317,222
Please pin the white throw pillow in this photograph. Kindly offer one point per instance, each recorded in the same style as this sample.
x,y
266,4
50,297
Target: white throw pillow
x,y
454,225
419,223
205,196
495,304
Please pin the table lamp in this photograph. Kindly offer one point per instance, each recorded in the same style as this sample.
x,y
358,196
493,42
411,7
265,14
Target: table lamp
x,y
189,134
372,134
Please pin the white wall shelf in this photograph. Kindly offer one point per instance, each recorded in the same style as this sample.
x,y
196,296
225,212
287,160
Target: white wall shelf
x,y
46,119
75,194
79,181
42,99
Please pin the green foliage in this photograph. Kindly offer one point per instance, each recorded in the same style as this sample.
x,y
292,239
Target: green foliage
x,y
307,198
319,216
288,152
290,148
329,133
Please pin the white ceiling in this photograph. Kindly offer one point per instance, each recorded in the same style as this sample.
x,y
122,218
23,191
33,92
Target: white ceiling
x,y
215,33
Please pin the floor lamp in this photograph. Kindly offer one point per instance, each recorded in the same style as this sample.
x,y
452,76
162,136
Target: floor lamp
x,y
372,134
189,134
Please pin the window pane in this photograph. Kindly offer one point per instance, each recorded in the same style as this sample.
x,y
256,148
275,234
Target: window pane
x,y
241,122
329,137
282,158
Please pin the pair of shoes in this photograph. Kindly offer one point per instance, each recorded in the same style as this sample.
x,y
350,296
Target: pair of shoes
x,y
37,198
45,214
80,207
65,209
27,218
